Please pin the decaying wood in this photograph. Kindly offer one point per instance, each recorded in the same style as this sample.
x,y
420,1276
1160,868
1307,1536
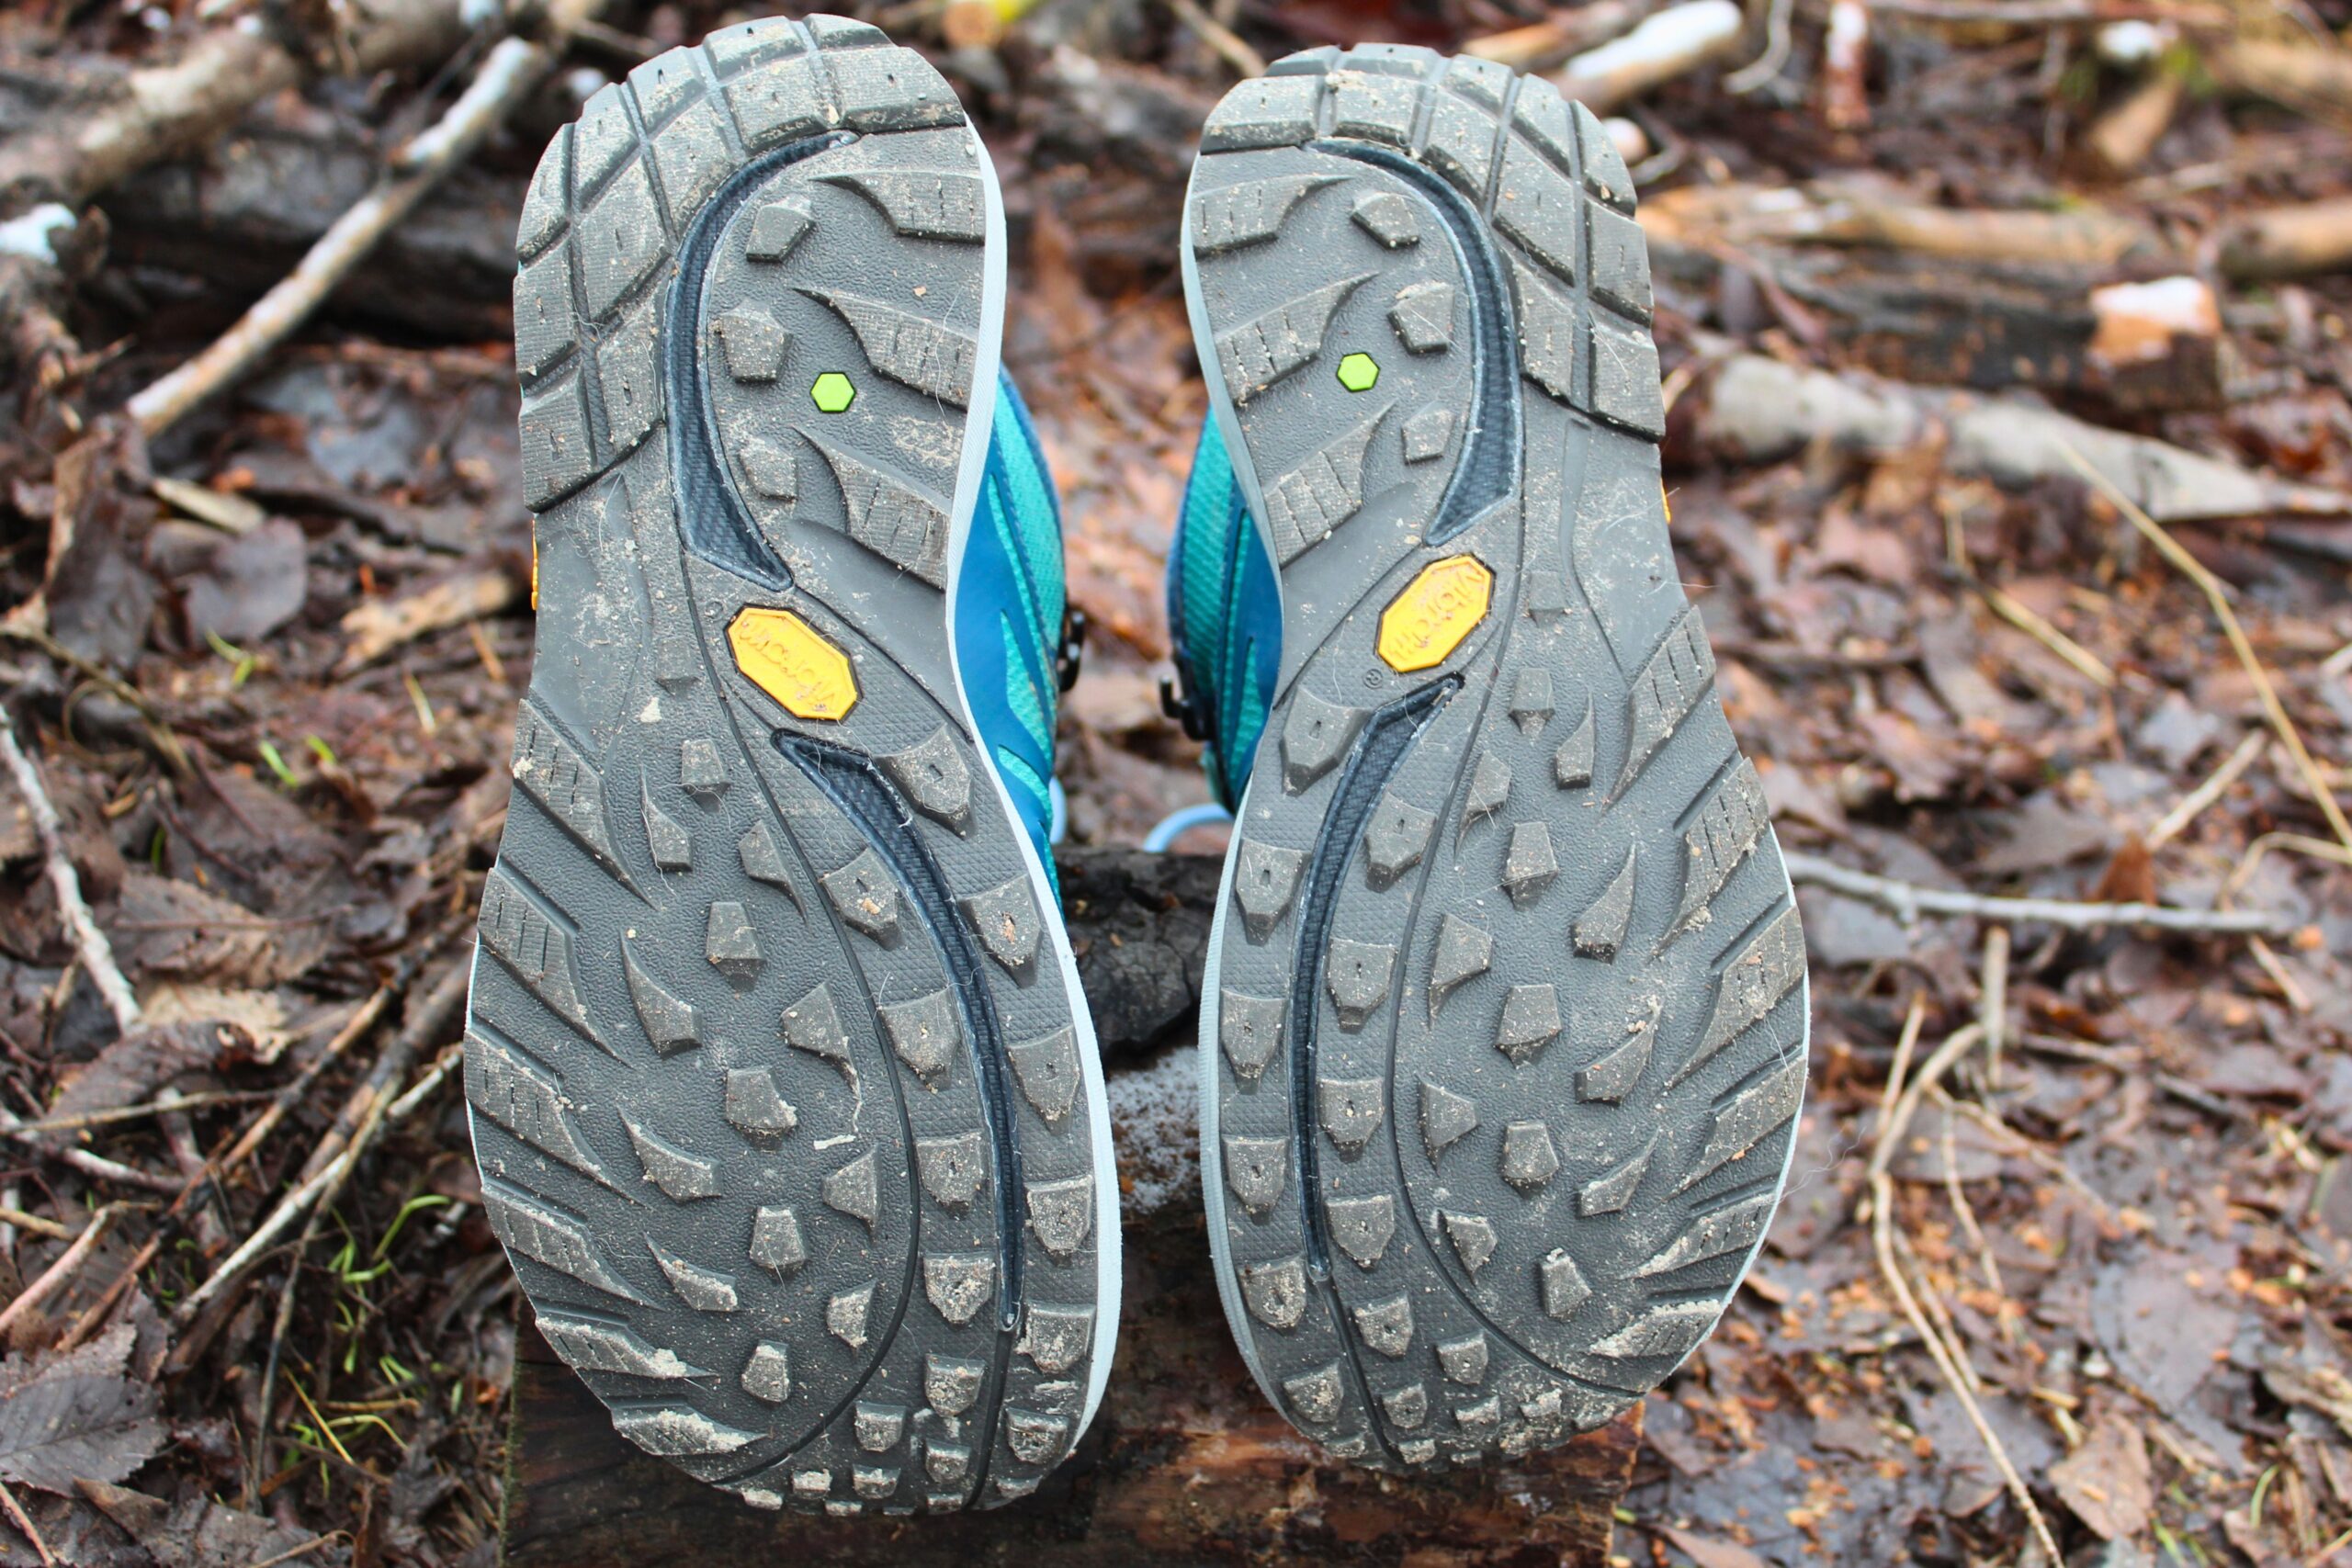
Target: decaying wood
x,y
1185,1463
1756,408
2312,74
90,943
2289,242
378,627
511,69
1853,214
1673,43
95,132
245,215
1541,46
1845,66
2123,136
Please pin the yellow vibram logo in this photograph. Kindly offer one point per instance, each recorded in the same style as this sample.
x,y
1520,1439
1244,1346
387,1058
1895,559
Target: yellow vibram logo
x,y
1427,622
782,654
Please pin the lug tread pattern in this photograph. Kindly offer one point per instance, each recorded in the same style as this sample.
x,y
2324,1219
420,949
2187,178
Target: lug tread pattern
x,y
1545,1081
769,1195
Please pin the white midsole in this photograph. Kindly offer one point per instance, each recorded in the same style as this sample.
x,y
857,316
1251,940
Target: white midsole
x,y
978,428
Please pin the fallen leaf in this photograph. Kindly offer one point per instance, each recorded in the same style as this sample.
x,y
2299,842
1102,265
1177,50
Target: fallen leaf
x,y
2323,1389
379,625
71,1418
135,1066
1708,1552
200,1533
253,586
176,931
2161,1332
2107,1481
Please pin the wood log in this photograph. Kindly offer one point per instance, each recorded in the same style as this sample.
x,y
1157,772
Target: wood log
x,y
242,216
92,130
1672,43
1756,409
1539,46
2289,242
1186,1462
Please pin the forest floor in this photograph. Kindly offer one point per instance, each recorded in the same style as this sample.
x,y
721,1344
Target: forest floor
x,y
2011,467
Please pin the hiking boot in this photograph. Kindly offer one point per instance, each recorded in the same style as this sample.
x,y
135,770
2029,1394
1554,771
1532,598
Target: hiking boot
x,y
783,1086
1504,1033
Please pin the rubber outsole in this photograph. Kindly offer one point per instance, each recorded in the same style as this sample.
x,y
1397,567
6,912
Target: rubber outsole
x,y
1505,1034
781,1080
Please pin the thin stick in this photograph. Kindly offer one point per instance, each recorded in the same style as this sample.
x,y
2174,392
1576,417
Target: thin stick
x,y
279,1326
1222,42
1909,900
2195,802
289,1209
90,943
68,1263
1965,1211
13,1215
1995,1006
2023,616
364,1116
308,1547
1890,1134
1946,1362
134,1113
2294,843
2027,1149
1766,65
101,1309
2297,997
94,1165
25,1523
508,74
2218,597
289,1097
1904,1047
1938,1312
452,1057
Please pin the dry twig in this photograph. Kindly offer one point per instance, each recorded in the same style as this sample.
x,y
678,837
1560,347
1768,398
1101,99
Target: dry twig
x,y
1949,1361
90,943
362,1118
2188,566
68,1263
25,1523
1908,901
2193,804
1222,42
508,74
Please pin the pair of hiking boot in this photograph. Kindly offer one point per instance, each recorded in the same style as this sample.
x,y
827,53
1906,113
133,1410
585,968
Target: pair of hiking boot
x,y
783,1086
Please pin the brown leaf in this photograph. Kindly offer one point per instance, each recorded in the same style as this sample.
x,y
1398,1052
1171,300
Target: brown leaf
x,y
74,1416
143,1060
177,930
2107,1481
198,1532
1709,1552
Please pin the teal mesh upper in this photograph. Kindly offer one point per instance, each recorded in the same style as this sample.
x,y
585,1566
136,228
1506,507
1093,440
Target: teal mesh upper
x,y
1010,599
1224,615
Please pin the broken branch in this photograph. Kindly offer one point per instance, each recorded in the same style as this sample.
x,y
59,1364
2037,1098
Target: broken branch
x,y
89,941
1908,901
512,70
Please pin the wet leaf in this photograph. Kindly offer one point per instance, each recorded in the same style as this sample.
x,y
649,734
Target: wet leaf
x,y
197,1532
2107,1481
74,1416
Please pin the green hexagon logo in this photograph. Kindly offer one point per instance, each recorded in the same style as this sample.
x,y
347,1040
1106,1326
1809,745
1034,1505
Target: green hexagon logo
x,y
1359,373
832,393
